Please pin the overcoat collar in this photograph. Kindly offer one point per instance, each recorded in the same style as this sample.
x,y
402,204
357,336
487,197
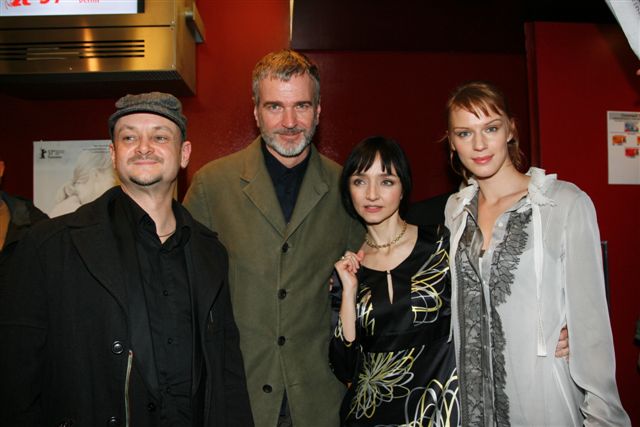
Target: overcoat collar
x,y
91,233
259,189
23,215
18,209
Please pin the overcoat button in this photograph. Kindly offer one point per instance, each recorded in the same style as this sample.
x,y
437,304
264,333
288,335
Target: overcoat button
x,y
282,294
281,340
117,347
285,248
267,388
151,407
113,422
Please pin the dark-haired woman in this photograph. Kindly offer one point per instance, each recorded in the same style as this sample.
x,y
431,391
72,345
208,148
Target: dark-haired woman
x,y
526,260
391,342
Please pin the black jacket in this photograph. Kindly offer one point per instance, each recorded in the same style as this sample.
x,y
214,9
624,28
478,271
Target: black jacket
x,y
428,212
65,331
23,216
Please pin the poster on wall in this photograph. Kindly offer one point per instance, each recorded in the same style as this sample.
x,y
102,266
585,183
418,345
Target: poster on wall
x,y
623,141
68,174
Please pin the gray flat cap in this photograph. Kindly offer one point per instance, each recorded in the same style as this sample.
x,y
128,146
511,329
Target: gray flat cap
x,y
162,104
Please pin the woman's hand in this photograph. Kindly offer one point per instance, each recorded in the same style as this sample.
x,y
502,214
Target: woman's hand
x,y
347,267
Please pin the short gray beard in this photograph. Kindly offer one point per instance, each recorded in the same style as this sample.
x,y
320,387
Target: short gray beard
x,y
293,151
287,152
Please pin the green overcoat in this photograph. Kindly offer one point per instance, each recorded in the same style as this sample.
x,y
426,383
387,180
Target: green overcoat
x,y
278,275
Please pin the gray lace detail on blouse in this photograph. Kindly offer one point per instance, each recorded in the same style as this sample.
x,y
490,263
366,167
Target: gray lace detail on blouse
x,y
483,341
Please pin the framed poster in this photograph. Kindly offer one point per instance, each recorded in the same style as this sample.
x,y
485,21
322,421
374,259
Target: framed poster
x,y
68,174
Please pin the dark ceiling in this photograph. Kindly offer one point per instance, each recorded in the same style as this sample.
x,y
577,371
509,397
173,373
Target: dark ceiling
x,y
456,25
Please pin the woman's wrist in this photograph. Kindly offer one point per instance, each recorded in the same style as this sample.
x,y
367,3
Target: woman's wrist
x,y
349,292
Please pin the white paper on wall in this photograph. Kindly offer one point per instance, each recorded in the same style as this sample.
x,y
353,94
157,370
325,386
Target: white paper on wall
x,y
623,142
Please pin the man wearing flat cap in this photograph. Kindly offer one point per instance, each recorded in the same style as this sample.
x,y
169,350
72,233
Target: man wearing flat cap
x,y
119,313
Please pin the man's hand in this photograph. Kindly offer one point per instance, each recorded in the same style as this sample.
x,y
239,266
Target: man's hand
x,y
562,349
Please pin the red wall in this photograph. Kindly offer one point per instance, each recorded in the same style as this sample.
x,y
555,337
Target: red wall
x,y
581,71
402,95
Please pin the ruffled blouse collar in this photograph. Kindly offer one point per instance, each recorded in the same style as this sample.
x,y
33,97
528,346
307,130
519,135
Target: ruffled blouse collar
x,y
536,191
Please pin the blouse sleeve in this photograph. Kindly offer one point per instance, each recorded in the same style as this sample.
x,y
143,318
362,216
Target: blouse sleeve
x,y
592,361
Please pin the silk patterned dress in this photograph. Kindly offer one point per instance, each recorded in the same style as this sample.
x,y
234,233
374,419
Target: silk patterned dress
x,y
401,367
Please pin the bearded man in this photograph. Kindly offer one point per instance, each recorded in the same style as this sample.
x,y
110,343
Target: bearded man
x,y
276,206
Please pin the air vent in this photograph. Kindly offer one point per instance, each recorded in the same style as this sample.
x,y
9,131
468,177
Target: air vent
x,y
97,56
72,50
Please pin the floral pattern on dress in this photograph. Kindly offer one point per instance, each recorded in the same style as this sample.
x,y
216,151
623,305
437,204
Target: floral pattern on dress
x,y
427,286
438,404
383,377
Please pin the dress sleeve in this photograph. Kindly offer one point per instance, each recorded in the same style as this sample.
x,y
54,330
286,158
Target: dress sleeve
x,y
343,355
592,361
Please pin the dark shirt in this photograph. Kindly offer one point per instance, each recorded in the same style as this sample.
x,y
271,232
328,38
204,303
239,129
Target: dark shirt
x,y
166,291
286,181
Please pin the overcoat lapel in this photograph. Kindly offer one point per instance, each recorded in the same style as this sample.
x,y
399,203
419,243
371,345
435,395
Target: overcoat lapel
x,y
259,188
97,248
199,265
314,187
203,293
96,244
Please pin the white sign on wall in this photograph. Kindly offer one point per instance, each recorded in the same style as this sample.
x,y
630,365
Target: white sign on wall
x,y
623,142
